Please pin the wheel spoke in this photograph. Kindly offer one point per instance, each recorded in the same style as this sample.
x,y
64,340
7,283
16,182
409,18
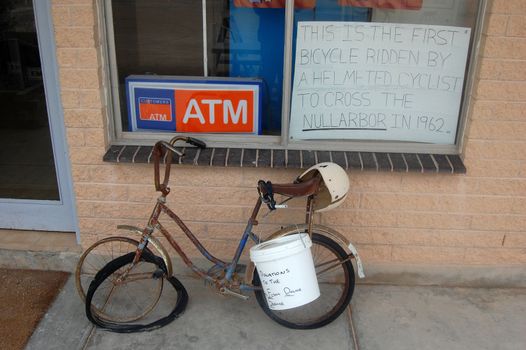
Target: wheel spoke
x,y
90,264
89,274
317,266
106,299
132,299
332,267
133,277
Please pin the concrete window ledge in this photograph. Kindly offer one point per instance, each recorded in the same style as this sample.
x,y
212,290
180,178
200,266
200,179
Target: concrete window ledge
x,y
268,158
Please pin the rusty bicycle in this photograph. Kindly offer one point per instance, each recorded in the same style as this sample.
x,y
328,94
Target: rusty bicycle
x,y
110,272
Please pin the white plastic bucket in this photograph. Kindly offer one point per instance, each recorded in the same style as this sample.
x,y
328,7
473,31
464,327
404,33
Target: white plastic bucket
x,y
286,271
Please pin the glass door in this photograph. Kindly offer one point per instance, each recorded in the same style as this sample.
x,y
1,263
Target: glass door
x,y
35,184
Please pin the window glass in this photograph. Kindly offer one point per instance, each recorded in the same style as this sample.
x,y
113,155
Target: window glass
x,y
398,77
243,39
27,165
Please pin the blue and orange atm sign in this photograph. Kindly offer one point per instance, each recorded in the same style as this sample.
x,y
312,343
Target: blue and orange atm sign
x,y
196,105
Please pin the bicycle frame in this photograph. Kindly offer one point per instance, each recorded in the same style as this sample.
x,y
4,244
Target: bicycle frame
x,y
160,207
153,224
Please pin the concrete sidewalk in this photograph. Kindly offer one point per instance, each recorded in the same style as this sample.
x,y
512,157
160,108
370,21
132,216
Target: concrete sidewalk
x,y
384,317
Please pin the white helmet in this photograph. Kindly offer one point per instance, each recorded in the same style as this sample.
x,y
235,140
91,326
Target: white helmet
x,y
334,187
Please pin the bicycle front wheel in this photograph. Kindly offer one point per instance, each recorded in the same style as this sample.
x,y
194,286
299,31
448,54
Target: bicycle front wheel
x,y
121,272
99,255
335,275
130,292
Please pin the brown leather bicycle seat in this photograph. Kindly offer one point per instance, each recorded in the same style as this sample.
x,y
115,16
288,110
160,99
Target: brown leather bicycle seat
x,y
300,189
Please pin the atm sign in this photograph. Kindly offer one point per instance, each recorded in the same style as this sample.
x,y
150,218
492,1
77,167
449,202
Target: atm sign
x,y
155,109
231,111
194,104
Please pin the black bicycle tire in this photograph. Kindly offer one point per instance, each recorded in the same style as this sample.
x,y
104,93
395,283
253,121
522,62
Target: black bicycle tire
x,y
333,314
114,265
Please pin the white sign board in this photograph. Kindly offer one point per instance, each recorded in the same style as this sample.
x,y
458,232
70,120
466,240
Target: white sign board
x,y
378,81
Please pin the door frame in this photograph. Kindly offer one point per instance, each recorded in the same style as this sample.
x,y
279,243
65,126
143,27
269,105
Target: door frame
x,y
47,215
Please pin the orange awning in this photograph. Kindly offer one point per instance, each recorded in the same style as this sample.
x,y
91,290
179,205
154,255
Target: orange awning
x,y
384,4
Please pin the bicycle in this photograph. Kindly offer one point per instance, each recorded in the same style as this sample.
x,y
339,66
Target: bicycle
x,y
148,261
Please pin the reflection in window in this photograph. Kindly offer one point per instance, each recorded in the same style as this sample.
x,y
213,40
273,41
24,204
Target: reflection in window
x,y
166,38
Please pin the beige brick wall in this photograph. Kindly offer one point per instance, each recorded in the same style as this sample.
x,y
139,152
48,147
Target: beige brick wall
x,y
473,219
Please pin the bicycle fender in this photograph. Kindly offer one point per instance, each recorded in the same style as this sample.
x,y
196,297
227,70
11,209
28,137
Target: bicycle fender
x,y
343,241
156,244
359,265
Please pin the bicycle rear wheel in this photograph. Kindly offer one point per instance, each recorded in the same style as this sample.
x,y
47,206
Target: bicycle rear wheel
x,y
336,280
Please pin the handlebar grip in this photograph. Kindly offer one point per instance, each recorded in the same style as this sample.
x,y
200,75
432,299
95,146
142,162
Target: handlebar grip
x,y
196,142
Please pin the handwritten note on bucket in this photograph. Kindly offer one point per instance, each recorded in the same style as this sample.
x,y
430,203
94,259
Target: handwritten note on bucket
x,y
286,271
380,81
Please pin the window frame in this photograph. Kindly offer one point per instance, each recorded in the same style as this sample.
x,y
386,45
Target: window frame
x,y
117,136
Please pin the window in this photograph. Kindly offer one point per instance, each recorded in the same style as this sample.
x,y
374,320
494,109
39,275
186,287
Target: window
x,y
213,38
398,105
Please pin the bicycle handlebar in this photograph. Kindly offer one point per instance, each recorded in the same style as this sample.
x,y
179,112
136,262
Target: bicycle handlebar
x,y
158,151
